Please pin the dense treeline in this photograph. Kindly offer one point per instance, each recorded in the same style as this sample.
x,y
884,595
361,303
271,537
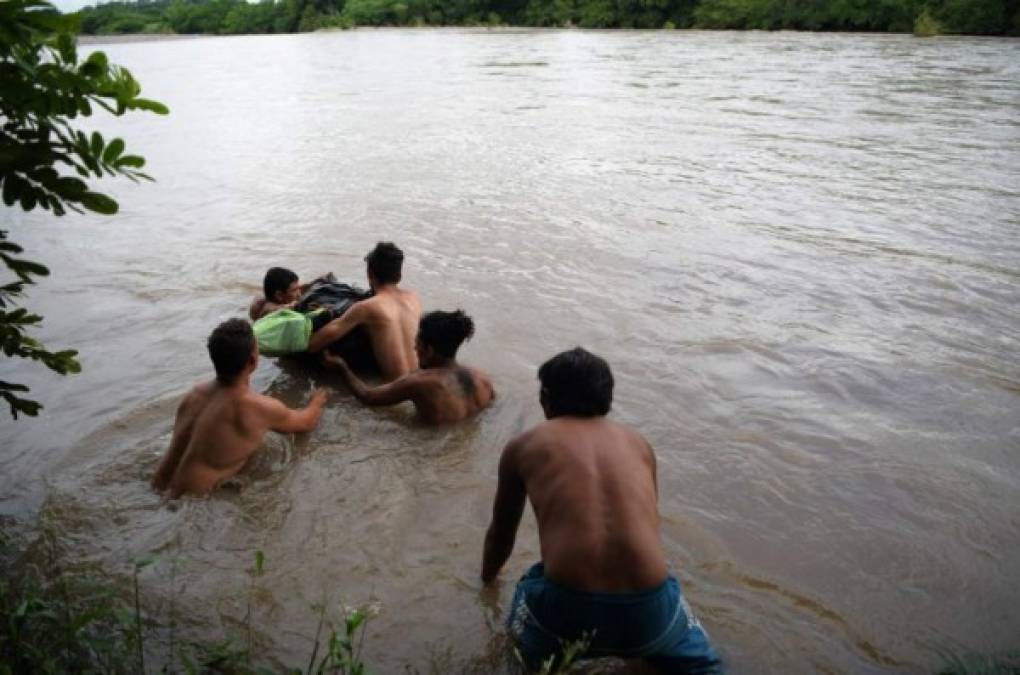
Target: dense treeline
x,y
976,17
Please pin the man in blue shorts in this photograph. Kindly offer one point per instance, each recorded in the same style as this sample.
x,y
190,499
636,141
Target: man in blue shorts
x,y
603,575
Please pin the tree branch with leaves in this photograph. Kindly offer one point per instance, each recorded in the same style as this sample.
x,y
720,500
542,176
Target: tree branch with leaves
x,y
46,161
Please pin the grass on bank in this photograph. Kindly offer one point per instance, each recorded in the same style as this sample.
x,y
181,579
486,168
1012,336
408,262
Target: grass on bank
x,y
978,664
54,620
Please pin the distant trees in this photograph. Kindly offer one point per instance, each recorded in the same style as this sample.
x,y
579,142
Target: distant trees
x,y
980,17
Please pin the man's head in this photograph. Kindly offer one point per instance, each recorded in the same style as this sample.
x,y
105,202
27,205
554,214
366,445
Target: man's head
x,y
233,350
440,335
281,286
385,263
576,383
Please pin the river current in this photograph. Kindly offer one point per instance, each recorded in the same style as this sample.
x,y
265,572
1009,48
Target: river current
x,y
800,253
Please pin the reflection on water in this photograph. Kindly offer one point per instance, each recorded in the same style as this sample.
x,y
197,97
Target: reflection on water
x,y
798,252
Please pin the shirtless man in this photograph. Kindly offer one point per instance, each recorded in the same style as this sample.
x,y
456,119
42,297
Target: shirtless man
x,y
391,315
221,423
603,574
443,391
281,288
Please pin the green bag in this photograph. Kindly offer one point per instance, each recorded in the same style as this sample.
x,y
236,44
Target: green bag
x,y
283,332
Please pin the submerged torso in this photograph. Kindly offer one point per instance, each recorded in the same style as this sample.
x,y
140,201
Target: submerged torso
x,y
451,394
219,433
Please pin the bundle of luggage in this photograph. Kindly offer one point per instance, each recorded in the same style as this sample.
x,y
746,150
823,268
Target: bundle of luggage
x,y
287,331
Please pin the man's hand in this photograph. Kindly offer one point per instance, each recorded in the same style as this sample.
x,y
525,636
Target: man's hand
x,y
319,397
334,360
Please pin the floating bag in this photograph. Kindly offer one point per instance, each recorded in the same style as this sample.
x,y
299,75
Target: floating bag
x,y
283,332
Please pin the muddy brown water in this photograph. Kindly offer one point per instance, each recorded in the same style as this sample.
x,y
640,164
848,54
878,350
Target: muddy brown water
x,y
798,252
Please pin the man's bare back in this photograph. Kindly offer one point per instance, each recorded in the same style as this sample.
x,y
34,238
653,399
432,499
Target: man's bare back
x,y
603,576
440,395
446,395
391,319
390,316
217,430
220,424
592,486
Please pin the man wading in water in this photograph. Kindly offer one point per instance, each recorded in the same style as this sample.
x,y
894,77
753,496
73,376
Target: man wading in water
x,y
603,575
221,423
443,391
390,315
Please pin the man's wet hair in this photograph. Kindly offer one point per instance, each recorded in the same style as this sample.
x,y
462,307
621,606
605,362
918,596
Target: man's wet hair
x,y
445,331
576,383
277,279
385,262
230,345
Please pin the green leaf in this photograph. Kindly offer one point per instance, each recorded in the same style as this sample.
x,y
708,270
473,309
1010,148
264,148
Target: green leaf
x,y
113,150
65,47
146,561
28,200
97,144
100,203
260,559
133,161
151,106
19,266
356,618
13,185
69,187
95,65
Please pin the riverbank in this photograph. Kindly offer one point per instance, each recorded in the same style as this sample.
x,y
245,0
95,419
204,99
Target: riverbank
x,y
507,30
965,17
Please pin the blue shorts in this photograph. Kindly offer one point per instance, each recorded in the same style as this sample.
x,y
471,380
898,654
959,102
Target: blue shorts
x,y
655,625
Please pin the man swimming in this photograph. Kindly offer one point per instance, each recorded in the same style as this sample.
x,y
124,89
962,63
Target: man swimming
x,y
391,315
281,289
221,423
443,391
603,575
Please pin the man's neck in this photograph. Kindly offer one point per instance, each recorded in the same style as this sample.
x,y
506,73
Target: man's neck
x,y
439,364
239,384
386,289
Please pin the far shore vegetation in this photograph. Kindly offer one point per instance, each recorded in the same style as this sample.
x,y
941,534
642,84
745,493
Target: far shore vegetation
x,y
230,17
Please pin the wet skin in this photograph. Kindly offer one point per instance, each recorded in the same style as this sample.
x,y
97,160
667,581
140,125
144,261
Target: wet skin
x,y
261,307
592,485
442,393
391,318
217,429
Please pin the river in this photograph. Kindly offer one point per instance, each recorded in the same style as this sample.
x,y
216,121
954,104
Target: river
x,y
800,253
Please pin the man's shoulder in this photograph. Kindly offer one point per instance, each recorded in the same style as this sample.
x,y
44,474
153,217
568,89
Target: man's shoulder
x,y
566,430
257,308
527,440
199,393
411,295
252,400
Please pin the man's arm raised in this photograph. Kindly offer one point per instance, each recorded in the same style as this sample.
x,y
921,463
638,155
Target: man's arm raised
x,y
337,328
507,510
401,389
284,420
